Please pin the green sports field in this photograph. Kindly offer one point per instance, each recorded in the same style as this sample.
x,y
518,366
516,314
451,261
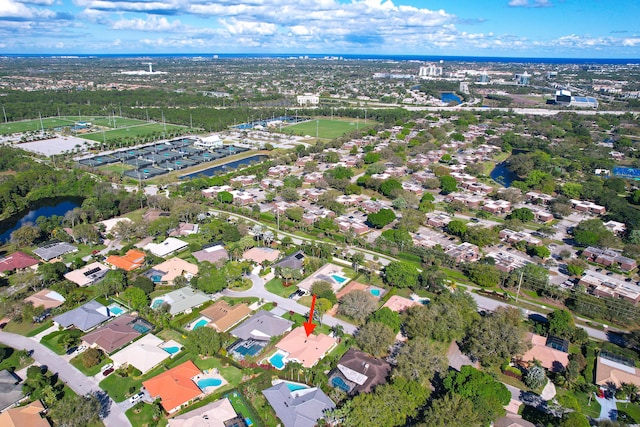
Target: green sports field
x,y
327,129
132,132
34,125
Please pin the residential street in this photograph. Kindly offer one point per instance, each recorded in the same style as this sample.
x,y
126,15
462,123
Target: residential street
x,y
76,380
259,291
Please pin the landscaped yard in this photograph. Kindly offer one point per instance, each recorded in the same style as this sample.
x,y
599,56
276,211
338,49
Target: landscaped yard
x,y
589,407
275,287
241,407
230,373
629,413
142,415
56,341
77,362
14,359
27,329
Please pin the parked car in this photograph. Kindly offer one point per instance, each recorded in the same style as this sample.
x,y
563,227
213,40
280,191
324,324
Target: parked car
x,y
106,372
136,397
72,350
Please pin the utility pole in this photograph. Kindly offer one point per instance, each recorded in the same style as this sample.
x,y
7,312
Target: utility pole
x,y
5,114
519,284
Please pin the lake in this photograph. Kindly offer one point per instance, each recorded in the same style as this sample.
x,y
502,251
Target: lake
x,y
227,167
450,97
502,175
45,207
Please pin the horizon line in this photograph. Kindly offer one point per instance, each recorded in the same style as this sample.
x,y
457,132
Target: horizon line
x,y
320,55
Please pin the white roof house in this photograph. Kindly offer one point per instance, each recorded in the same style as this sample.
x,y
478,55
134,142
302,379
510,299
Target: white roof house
x,y
143,354
169,246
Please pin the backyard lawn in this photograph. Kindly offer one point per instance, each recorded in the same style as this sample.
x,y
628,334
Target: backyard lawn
x,y
275,287
230,373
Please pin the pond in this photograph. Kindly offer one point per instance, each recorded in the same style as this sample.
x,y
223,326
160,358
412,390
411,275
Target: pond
x,y
45,207
450,97
227,167
502,175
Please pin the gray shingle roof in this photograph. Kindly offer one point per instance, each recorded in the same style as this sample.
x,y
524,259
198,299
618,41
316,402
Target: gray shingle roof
x,y
10,389
262,326
85,317
300,408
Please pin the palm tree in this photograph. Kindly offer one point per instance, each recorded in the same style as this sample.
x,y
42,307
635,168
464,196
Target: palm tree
x,y
631,390
337,330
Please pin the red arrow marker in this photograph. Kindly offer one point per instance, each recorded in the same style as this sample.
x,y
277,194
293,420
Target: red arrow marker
x,y
310,326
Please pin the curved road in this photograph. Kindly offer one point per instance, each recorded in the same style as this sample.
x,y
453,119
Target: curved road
x,y
258,290
75,379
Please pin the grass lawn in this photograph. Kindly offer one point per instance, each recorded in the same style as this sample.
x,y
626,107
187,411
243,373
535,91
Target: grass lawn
x,y
246,285
241,407
629,413
35,124
275,287
591,409
136,131
115,122
77,362
328,129
55,340
16,360
246,300
118,387
142,415
83,251
170,334
27,329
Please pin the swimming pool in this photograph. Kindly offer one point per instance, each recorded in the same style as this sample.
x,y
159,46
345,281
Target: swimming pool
x,y
157,303
209,382
277,360
199,324
339,383
116,310
338,279
171,350
294,386
375,292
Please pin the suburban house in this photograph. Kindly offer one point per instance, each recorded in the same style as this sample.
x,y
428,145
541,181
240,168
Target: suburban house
x,y
166,272
130,261
10,389
300,408
184,229
143,354
294,261
262,326
52,250
46,298
170,246
260,255
613,371
216,414
223,315
175,387
85,317
306,350
87,275
358,372
117,333
399,304
17,261
181,300
551,352
25,416
212,254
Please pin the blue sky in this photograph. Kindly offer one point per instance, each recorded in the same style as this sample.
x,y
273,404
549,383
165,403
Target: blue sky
x,y
522,28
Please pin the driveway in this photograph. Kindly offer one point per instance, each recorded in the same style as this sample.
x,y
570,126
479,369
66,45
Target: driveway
x,y
258,290
111,414
608,408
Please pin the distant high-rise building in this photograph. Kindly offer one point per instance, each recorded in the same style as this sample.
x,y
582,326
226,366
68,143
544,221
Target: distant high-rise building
x,y
430,70
484,78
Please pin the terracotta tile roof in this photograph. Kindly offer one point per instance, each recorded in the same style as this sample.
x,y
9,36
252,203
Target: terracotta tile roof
x,y
610,372
398,303
24,416
175,387
130,261
549,358
223,316
46,298
306,350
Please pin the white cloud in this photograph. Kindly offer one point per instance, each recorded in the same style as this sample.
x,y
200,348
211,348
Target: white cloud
x,y
236,26
519,3
525,3
152,23
10,9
